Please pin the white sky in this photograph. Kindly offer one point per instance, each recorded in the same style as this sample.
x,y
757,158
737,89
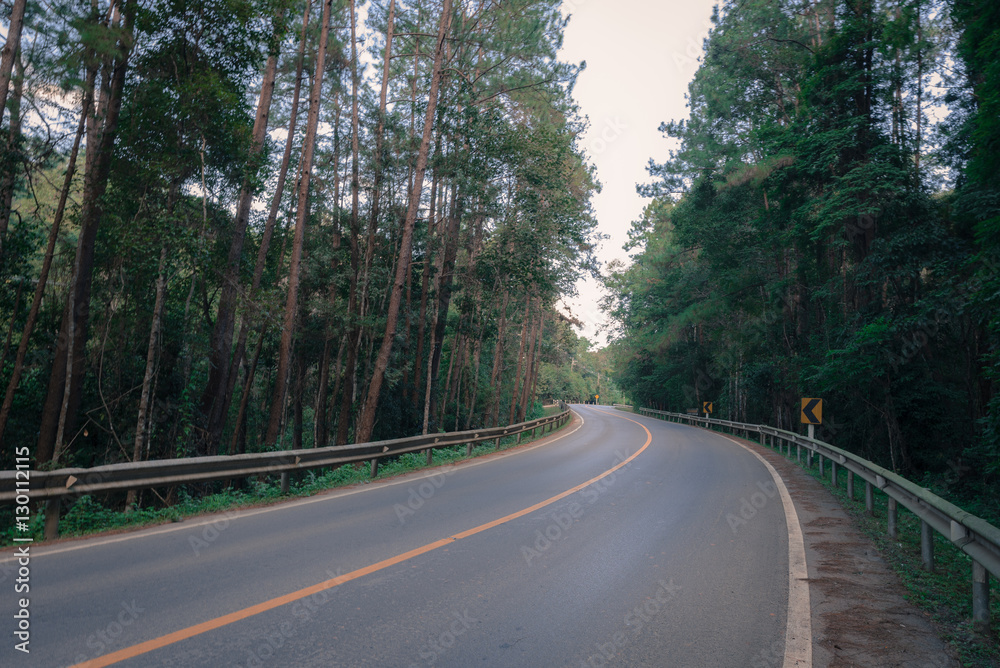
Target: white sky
x,y
640,56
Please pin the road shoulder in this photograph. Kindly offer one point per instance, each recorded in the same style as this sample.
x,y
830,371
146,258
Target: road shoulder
x,y
860,615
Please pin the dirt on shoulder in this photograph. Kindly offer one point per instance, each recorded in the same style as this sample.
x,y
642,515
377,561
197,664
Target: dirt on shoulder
x,y
860,615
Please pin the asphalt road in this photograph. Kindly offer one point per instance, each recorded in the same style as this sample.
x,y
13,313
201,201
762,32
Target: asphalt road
x,y
679,557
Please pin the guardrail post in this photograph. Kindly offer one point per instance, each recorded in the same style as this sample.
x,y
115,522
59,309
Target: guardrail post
x,y
891,524
821,471
284,482
52,518
980,598
809,458
375,467
927,546
468,449
850,485
869,499
498,444
833,473
798,453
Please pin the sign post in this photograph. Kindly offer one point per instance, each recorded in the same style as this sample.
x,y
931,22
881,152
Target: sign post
x,y
812,414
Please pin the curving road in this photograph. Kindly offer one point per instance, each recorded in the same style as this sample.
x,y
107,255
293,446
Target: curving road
x,y
676,557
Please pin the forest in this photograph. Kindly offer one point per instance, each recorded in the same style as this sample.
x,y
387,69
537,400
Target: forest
x,y
829,226
232,226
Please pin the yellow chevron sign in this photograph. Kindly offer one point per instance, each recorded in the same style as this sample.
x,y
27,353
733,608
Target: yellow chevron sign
x,y
706,407
812,411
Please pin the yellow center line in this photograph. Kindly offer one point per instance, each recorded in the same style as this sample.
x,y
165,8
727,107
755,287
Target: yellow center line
x,y
224,620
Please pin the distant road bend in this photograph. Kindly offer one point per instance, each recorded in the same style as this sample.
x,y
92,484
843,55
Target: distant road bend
x,y
614,542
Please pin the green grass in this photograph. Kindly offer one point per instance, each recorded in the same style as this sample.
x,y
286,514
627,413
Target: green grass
x,y
88,516
946,593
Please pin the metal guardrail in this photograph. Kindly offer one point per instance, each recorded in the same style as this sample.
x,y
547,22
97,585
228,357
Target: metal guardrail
x,y
971,534
53,486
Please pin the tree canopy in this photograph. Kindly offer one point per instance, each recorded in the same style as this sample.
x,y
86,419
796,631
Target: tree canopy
x,y
222,232
834,235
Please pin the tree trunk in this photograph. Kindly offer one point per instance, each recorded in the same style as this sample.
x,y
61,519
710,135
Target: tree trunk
x,y
471,409
455,377
424,293
337,379
532,379
300,380
498,352
407,329
445,282
379,131
13,321
920,90
520,355
354,340
428,388
139,442
367,420
10,49
213,399
427,392
319,405
13,153
65,382
291,303
529,362
238,443
272,218
439,409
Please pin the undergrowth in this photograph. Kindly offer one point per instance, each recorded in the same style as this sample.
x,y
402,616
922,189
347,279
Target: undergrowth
x,y
87,515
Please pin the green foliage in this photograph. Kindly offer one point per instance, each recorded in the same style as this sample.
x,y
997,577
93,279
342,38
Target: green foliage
x,y
808,256
513,227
